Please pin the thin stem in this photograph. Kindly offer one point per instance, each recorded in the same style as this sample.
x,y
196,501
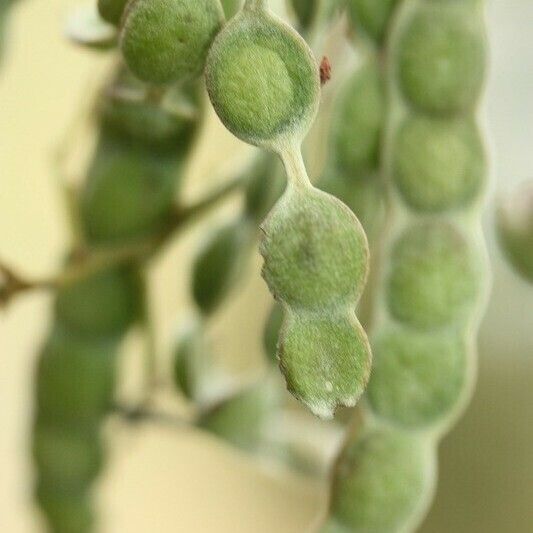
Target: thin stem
x,y
142,414
88,262
295,167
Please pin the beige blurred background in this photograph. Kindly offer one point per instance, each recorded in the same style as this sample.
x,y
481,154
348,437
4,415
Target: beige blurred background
x,y
163,480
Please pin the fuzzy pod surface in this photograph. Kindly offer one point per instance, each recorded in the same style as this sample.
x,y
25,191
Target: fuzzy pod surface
x,y
164,41
262,79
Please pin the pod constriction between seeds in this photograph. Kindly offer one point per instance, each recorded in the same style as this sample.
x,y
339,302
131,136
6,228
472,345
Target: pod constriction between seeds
x,y
264,84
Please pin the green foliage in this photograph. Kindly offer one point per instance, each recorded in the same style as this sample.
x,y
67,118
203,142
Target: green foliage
x,y
165,41
515,229
359,122
372,16
441,58
101,305
112,10
262,79
243,419
219,264
129,193
439,165
75,379
433,277
380,481
417,378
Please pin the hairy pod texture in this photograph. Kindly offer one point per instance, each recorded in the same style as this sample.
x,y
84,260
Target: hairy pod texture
x,y
430,292
264,84
164,41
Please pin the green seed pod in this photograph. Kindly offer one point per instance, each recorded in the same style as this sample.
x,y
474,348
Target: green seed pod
x,y
272,332
515,229
262,79
441,58
129,193
164,41
382,479
439,165
243,420
191,362
112,10
101,305
219,264
358,123
65,512
372,16
75,379
325,358
66,459
316,253
417,378
145,120
231,7
433,276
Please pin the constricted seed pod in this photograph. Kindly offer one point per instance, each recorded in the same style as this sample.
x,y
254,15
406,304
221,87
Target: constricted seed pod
x,y
438,165
112,10
316,264
417,378
219,264
243,419
382,479
358,123
372,16
433,276
262,79
515,229
75,379
67,459
129,193
441,58
102,305
164,41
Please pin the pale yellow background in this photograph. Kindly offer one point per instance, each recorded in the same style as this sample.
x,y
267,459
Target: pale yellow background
x,y
163,481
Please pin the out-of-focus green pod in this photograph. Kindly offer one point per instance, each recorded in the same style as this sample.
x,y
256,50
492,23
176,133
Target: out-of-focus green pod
x,y
219,263
439,165
372,16
85,27
382,480
75,379
192,360
441,58
147,121
305,11
66,458
515,229
433,276
262,79
165,41
129,192
264,187
271,333
417,378
101,305
358,123
112,10
243,419
65,511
